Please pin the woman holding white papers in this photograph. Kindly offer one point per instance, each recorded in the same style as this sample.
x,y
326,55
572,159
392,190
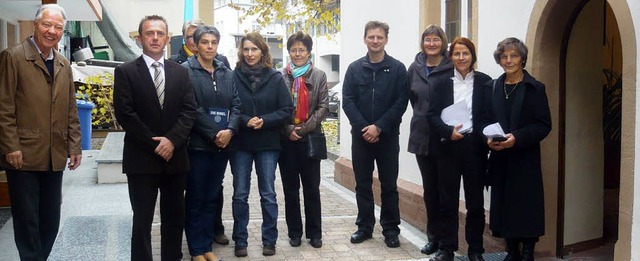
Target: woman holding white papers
x,y
429,63
461,151
216,122
518,102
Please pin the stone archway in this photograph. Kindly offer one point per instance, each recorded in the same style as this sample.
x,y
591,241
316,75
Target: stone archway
x,y
547,36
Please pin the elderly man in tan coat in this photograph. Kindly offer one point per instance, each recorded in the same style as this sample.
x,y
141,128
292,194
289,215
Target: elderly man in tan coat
x,y
39,130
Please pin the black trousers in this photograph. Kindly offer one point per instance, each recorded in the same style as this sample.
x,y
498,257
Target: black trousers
x,y
462,158
428,166
296,168
143,192
385,154
36,197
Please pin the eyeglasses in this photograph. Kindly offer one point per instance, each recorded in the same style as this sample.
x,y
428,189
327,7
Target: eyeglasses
x,y
298,51
432,40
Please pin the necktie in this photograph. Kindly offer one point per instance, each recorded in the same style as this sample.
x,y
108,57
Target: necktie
x,y
158,81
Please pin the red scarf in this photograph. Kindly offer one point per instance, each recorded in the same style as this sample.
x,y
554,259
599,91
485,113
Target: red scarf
x,y
300,96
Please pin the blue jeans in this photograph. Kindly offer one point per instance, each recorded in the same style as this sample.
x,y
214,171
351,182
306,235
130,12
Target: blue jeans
x,y
204,183
241,167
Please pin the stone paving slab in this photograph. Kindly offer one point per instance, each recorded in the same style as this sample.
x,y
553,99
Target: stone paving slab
x,y
338,222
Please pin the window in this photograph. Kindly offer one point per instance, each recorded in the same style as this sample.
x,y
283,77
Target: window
x,y
457,18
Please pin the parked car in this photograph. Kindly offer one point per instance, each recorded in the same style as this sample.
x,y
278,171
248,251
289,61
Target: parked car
x,y
335,95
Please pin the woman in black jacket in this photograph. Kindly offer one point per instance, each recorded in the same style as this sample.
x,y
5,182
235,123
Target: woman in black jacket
x,y
216,122
517,102
460,150
308,86
266,108
429,63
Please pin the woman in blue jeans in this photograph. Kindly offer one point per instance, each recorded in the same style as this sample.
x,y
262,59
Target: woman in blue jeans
x,y
266,107
216,122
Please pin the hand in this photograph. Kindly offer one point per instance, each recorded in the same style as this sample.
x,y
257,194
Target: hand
x,y
455,135
294,134
371,134
74,161
255,123
500,145
15,159
165,148
223,137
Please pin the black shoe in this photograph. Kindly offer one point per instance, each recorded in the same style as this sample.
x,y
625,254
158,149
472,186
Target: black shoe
x,y
316,242
268,250
392,241
443,255
240,251
429,248
221,239
475,257
360,236
295,242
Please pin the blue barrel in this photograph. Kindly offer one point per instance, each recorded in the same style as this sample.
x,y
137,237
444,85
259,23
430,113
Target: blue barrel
x,y
84,113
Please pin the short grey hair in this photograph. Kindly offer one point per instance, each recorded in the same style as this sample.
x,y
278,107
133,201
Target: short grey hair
x,y
54,7
205,29
191,23
511,42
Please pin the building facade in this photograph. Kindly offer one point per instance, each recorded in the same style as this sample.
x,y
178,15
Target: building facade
x,y
580,49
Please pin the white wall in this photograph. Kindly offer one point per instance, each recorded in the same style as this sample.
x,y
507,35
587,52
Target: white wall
x,y
404,34
128,13
584,162
497,20
634,7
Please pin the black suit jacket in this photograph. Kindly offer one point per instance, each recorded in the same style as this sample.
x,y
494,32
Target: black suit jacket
x,y
441,96
138,111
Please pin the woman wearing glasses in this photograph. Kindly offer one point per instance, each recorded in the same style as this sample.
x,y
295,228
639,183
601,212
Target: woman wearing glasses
x,y
519,103
429,63
310,101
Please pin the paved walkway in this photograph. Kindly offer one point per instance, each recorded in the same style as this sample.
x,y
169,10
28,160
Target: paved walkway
x,y
96,225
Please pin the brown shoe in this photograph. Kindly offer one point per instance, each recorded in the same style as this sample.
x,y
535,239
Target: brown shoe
x,y
268,250
240,251
221,239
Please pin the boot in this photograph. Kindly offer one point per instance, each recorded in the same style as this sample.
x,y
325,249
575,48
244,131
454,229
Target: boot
x,y
528,251
513,250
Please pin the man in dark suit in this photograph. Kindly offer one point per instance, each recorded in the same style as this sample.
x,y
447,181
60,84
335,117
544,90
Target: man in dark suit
x,y
154,103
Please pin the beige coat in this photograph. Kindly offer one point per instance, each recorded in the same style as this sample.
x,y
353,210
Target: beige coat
x,y
38,114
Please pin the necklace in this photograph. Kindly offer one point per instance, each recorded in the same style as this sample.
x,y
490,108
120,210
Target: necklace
x,y
504,88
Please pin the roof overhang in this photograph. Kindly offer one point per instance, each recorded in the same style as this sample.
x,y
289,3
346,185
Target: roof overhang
x,y
25,10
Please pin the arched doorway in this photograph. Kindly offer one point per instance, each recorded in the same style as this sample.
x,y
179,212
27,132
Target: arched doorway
x,y
571,43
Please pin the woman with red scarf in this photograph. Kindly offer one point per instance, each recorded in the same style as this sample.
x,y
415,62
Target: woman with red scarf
x,y
310,100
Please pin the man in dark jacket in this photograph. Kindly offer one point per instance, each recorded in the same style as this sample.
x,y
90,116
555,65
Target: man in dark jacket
x,y
375,95
189,48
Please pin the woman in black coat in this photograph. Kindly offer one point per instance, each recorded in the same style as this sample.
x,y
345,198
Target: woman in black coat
x,y
519,103
429,63
459,149
266,108
216,122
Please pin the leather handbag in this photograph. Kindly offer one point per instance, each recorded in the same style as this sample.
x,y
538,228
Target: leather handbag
x,y
317,145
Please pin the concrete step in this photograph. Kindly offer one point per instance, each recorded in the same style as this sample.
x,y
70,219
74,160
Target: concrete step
x,y
110,159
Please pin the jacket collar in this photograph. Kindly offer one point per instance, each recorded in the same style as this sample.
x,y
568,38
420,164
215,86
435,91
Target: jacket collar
x,y
32,54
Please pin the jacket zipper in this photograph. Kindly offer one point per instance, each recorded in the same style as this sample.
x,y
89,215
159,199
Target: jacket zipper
x,y
373,95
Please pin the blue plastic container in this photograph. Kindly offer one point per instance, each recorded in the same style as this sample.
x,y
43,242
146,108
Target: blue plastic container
x,y
84,113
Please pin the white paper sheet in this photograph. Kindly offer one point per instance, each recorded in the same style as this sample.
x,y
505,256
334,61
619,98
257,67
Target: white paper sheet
x,y
494,131
456,114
